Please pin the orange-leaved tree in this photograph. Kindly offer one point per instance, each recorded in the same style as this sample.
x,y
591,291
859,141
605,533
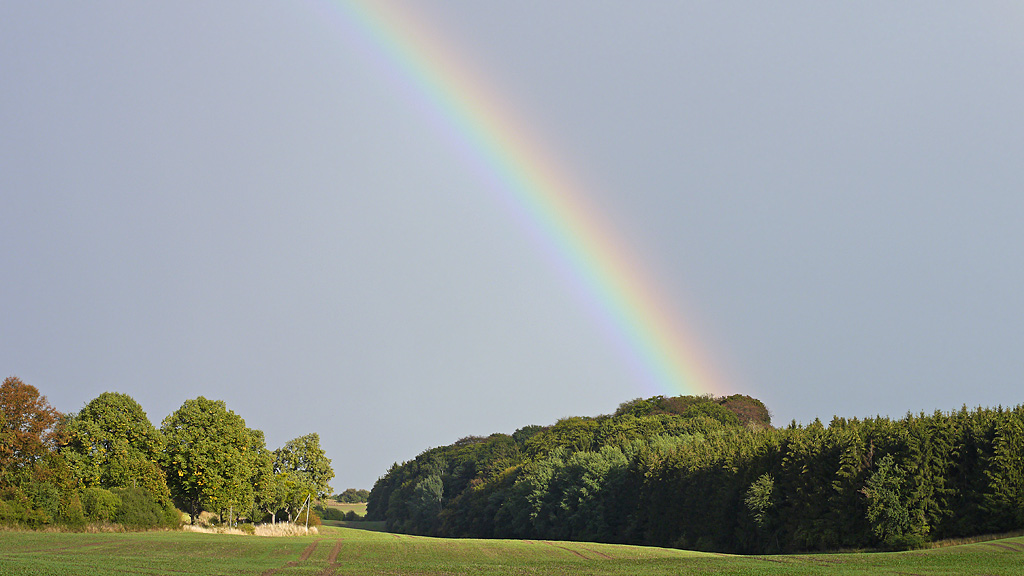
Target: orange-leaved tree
x,y
27,426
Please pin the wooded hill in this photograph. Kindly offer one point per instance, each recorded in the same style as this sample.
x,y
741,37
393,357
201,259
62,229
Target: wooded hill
x,y
711,474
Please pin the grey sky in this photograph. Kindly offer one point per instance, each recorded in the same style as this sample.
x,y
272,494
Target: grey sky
x,y
234,200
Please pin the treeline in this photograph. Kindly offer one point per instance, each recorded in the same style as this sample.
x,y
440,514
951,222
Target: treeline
x,y
349,496
352,496
109,464
707,479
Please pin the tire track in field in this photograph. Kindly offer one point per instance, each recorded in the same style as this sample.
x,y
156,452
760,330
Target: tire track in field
x,y
302,558
78,547
332,560
1009,547
567,550
601,554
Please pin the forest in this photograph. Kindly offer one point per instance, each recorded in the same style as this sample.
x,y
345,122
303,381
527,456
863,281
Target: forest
x,y
108,464
712,474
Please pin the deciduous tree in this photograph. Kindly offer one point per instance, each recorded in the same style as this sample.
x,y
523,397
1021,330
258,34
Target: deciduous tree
x,y
111,443
303,470
211,457
26,427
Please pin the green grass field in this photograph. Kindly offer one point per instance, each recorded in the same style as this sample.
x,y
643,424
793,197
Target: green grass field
x,y
359,508
350,551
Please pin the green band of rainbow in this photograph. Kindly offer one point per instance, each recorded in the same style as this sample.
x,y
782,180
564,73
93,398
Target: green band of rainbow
x,y
644,325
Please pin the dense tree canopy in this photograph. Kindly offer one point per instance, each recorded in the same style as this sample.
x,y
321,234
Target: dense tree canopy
x,y
211,456
700,473
111,443
27,426
352,495
109,464
303,471
36,486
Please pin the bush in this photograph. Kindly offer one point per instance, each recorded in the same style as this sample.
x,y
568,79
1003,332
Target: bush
x,y
314,519
249,529
72,514
99,504
138,509
172,517
16,508
44,497
328,513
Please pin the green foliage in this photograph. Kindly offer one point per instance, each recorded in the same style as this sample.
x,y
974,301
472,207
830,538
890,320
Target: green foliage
x,y
759,498
887,510
310,516
171,516
138,509
213,459
302,470
108,463
748,411
1006,474
111,443
638,407
352,496
521,436
426,499
572,433
691,472
268,489
712,411
306,464
100,504
328,513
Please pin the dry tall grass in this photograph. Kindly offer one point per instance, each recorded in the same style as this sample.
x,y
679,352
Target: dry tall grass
x,y
285,529
270,530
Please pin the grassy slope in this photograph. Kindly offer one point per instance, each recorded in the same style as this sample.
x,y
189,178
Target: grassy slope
x,y
348,551
359,508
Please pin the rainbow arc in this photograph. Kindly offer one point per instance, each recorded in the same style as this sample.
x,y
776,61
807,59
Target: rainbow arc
x,y
627,303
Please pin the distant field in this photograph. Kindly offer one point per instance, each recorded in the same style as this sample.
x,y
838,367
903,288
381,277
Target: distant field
x,y
359,508
343,551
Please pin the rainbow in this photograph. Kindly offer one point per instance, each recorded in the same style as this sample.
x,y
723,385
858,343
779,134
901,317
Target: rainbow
x,y
549,203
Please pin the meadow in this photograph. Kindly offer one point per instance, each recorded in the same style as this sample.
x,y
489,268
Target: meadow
x,y
341,551
358,507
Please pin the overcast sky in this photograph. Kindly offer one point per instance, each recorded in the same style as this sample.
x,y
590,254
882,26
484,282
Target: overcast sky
x,y
237,200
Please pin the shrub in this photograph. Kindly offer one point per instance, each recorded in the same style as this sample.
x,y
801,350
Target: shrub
x,y
138,509
16,509
328,513
172,517
72,513
314,519
100,504
44,497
